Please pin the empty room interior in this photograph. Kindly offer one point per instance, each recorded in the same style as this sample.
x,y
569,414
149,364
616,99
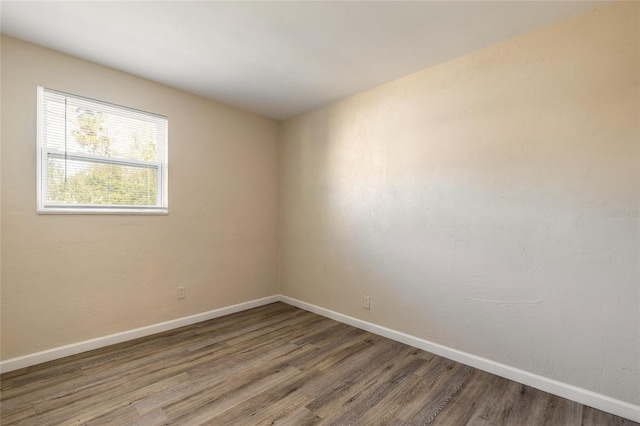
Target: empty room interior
x,y
336,213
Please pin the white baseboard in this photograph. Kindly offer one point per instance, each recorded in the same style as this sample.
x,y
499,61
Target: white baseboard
x,y
574,393
112,339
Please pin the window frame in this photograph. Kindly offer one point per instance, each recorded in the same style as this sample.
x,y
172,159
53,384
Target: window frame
x,y
43,153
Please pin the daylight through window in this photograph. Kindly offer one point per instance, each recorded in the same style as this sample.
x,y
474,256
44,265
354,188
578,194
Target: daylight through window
x,y
96,157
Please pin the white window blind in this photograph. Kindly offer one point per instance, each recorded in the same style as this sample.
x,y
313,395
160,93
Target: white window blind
x,y
96,157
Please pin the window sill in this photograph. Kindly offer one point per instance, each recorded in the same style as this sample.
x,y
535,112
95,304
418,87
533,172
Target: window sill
x,y
113,211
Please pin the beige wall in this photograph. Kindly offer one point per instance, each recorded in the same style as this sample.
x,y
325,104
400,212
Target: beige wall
x,y
489,204
68,278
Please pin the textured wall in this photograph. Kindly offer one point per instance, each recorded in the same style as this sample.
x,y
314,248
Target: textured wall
x,y
68,278
489,204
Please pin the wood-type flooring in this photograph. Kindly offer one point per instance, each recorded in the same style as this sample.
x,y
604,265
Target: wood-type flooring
x,y
275,365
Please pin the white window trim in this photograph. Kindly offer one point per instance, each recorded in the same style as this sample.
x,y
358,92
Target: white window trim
x,y
43,153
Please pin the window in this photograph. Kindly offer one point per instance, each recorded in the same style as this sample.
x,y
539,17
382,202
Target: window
x,y
96,157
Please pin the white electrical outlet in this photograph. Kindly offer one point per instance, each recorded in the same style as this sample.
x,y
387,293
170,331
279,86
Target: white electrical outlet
x,y
366,302
182,292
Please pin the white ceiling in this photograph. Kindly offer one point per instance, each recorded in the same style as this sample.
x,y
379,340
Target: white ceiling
x,y
276,58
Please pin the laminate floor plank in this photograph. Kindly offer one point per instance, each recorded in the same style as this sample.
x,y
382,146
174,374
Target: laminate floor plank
x,y
204,406
275,365
342,340
152,418
416,395
207,377
522,404
466,402
269,407
374,391
439,395
494,401
85,410
301,417
147,355
386,411
95,387
561,411
349,375
247,378
233,333
135,348
593,417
